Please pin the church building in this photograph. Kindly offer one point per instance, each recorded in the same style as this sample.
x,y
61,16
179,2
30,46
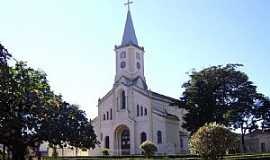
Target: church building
x,y
130,113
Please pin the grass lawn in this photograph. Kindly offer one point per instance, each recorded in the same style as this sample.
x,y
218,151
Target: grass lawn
x,y
265,156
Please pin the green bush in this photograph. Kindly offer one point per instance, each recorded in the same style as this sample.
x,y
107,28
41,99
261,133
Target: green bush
x,y
105,151
148,148
212,141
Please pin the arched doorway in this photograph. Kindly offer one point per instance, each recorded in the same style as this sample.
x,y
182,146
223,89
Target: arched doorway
x,y
122,135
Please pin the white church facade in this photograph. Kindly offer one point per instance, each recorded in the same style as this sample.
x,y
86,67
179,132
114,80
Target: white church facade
x,y
130,113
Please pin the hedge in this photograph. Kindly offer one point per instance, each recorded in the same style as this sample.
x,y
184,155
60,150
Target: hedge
x,y
168,157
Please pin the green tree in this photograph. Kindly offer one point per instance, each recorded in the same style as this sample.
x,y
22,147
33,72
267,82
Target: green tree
x,y
221,94
69,126
4,88
31,113
250,116
4,56
212,141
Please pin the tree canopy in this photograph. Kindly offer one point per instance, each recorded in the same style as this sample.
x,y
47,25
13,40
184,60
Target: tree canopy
x,y
31,113
225,95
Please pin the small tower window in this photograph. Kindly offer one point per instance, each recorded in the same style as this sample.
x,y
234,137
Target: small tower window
x,y
138,55
138,65
107,113
104,117
141,110
123,54
123,64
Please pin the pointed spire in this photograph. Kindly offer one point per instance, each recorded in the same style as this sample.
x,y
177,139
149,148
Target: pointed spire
x,y
129,36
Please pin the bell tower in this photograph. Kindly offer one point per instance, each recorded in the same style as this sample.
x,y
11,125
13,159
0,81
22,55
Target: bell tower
x,y
129,55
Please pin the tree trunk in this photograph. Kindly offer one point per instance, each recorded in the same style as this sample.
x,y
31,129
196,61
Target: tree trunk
x,y
4,152
18,152
243,141
38,153
8,153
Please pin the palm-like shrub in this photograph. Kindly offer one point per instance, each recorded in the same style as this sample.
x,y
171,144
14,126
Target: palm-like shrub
x,y
212,141
148,148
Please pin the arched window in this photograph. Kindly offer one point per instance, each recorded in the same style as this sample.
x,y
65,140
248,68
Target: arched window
x,y
107,142
123,100
159,137
107,113
145,111
141,110
143,137
138,110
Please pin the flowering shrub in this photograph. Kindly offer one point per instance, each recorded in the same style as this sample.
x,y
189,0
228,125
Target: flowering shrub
x,y
148,148
212,141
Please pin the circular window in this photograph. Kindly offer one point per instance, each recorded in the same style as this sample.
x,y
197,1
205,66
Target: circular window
x,y
138,65
123,64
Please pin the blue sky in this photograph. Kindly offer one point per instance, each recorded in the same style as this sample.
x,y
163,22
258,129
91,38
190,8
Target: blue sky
x,y
73,41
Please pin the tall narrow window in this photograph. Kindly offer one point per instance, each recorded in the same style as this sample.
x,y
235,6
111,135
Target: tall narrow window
x,y
141,110
145,111
104,117
101,136
110,114
123,104
159,137
117,102
138,110
263,147
143,137
181,141
138,65
107,142
107,115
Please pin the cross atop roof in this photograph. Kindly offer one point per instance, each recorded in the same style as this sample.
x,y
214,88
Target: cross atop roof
x,y
128,4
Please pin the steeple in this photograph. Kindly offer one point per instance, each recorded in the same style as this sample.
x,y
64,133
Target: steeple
x,y
129,36
130,57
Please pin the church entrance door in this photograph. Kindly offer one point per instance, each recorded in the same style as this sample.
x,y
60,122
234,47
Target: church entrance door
x,y
125,142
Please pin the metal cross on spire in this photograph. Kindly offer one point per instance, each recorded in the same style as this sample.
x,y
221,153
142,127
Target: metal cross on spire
x,y
128,4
